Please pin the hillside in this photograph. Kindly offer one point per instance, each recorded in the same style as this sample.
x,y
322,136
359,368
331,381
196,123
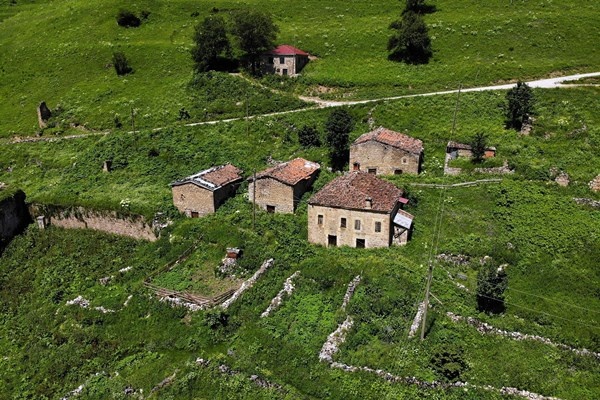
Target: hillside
x,y
79,313
60,52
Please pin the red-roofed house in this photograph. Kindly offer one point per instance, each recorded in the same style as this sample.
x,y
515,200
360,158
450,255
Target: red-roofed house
x,y
279,188
284,60
385,152
204,192
358,210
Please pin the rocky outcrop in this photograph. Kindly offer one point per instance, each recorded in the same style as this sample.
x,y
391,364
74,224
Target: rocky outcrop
x,y
43,114
14,217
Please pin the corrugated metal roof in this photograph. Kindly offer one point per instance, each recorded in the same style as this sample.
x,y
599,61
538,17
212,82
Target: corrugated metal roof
x,y
213,178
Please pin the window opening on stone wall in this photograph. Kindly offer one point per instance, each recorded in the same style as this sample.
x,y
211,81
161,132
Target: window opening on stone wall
x,y
270,209
195,214
360,243
377,226
284,71
331,240
404,160
343,223
182,197
397,172
320,219
281,60
357,224
372,170
356,166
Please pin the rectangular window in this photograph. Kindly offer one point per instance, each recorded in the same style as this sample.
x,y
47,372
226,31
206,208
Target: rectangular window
x,y
281,60
377,226
397,172
343,223
360,243
270,209
320,219
372,171
357,224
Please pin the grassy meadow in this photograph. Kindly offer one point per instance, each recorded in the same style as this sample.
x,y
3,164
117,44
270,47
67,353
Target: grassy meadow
x,y
60,52
127,340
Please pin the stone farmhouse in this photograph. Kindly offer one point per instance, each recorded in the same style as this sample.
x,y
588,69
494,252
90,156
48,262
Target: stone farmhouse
x,y
455,150
203,193
279,188
284,60
385,152
358,210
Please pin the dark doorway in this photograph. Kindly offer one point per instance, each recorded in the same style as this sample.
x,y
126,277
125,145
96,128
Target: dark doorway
x,y
360,243
331,240
270,209
195,214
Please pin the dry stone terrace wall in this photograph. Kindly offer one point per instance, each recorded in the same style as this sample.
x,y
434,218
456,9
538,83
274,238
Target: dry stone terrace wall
x,y
133,226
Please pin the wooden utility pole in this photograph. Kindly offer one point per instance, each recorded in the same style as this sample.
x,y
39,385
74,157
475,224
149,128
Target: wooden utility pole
x,y
456,110
424,321
133,120
254,201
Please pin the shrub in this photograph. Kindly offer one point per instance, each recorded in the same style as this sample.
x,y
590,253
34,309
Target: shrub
x,y
449,364
478,146
128,19
519,105
491,283
121,63
339,125
308,136
410,42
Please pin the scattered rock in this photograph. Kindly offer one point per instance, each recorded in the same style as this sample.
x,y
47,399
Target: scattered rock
x,y
595,184
562,179
455,259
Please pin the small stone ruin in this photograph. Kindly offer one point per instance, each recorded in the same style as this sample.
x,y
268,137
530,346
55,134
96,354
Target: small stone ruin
x,y
44,114
562,179
230,261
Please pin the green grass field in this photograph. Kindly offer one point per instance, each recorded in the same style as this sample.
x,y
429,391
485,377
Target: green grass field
x,y
61,53
58,52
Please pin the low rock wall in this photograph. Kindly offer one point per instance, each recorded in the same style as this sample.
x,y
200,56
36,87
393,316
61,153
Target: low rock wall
x,y
134,226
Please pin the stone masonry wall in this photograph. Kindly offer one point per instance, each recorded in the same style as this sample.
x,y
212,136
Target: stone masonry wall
x,y
386,159
105,221
193,198
347,236
270,192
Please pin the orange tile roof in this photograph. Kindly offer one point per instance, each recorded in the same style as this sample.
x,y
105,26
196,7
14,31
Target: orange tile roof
x,y
352,190
213,178
290,172
392,138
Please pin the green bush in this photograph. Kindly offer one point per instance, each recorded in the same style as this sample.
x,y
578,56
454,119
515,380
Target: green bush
x,y
128,19
121,63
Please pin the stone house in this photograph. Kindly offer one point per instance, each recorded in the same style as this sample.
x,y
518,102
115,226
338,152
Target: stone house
x,y
284,60
202,193
280,188
455,150
385,152
358,210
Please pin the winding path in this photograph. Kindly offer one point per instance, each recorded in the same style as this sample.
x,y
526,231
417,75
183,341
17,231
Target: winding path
x,y
549,83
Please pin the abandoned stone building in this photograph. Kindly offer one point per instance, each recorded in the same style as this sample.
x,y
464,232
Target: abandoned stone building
x,y
455,150
204,192
284,60
280,188
385,152
358,210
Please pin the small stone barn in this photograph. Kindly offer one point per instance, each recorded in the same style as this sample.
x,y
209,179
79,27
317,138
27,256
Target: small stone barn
x,y
284,60
279,189
358,210
204,192
385,152
455,150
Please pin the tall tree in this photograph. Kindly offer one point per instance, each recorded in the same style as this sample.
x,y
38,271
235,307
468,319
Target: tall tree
x,y
519,105
210,42
478,146
491,284
339,124
410,42
256,33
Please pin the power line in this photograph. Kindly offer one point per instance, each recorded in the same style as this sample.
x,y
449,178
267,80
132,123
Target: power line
x,y
552,300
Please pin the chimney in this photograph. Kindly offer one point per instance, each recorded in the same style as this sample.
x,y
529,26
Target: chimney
x,y
107,166
368,203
